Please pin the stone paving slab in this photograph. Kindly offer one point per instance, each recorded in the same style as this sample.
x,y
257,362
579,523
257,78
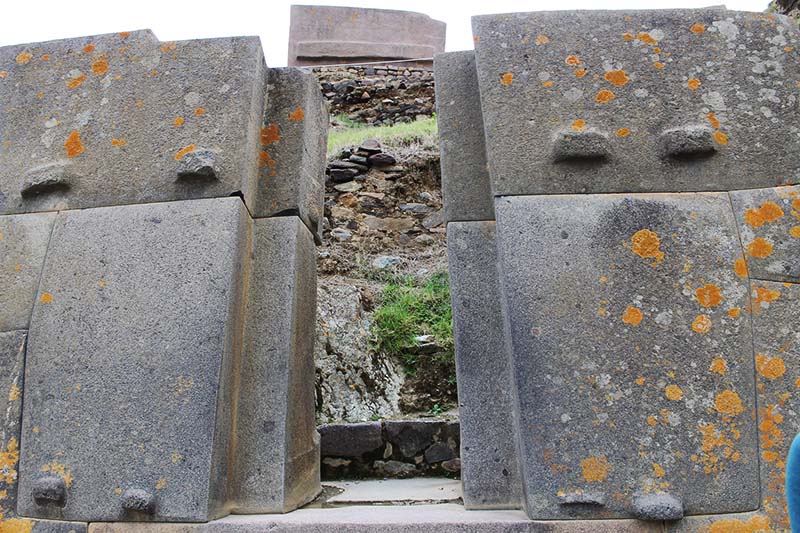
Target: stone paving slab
x,y
632,353
444,518
128,365
123,119
420,489
638,101
723,523
769,225
489,464
465,175
23,245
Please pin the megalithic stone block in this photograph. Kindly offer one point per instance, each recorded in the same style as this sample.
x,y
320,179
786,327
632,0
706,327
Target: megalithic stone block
x,y
769,223
489,467
293,148
775,311
23,244
123,119
277,454
132,354
465,175
632,354
638,101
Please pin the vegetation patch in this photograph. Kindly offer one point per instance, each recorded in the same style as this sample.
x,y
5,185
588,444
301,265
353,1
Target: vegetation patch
x,y
423,132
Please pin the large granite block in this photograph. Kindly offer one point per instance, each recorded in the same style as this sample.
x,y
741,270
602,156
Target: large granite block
x,y
131,353
638,101
277,444
12,366
776,332
293,148
632,354
123,118
489,467
769,225
23,244
465,175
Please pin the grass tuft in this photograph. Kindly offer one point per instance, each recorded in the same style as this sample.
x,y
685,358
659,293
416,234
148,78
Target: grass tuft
x,y
422,132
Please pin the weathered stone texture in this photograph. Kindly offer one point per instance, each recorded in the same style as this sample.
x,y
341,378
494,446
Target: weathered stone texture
x,y
638,101
776,333
131,350
277,443
769,225
465,176
293,148
489,467
622,306
107,120
328,35
23,244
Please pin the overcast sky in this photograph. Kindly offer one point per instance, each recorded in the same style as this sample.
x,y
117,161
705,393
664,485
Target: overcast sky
x,y
172,20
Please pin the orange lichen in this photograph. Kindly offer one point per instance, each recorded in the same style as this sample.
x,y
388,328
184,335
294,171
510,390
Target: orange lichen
x,y
476,39
760,248
581,72
60,470
771,434
199,111
647,245
740,267
270,135
756,524
264,159
3,73
161,483
124,34
693,83
646,39
768,212
720,137
617,78
714,122
547,83
23,57
185,150
297,114
657,470
770,367
673,392
795,232
658,64
719,366
100,67
578,124
632,316
178,122
627,37
45,57
8,462
507,78
652,421
604,96
76,82
168,46
697,28
728,403
46,298
622,132
572,60
595,469
73,145
709,295
542,39
88,49
118,142
734,312
640,380
701,324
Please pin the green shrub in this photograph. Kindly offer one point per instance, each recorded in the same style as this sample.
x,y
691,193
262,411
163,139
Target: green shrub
x,y
410,308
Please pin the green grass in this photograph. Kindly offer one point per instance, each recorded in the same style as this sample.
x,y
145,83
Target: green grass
x,y
410,308
420,131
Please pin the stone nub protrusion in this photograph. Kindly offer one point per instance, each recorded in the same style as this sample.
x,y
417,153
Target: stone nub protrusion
x,y
658,506
50,490
688,142
200,164
582,146
139,500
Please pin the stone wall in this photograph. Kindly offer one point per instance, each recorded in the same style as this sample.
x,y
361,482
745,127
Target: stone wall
x,y
380,95
333,35
623,266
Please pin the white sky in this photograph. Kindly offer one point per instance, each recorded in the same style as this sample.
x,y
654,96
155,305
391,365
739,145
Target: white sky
x,y
173,20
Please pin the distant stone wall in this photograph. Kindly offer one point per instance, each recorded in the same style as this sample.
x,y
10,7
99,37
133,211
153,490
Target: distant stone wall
x,y
332,35
378,94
